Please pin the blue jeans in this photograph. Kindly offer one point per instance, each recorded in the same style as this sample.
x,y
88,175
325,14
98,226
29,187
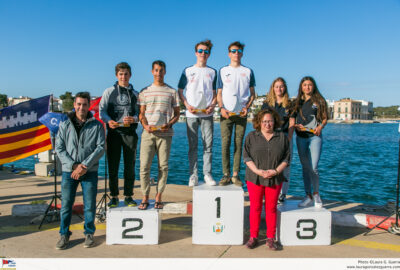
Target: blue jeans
x,y
309,153
68,193
207,129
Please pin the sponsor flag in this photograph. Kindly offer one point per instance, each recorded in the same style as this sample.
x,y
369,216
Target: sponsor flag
x,y
21,133
53,120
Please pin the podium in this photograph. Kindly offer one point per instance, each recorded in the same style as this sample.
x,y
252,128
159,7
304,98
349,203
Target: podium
x,y
298,226
218,215
131,226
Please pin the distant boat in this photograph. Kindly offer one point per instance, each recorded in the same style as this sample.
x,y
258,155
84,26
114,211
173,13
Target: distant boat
x,y
389,122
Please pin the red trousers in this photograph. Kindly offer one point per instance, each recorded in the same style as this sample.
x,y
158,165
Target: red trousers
x,y
256,194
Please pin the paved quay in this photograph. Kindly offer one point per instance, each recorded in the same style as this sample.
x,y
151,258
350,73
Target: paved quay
x,y
20,239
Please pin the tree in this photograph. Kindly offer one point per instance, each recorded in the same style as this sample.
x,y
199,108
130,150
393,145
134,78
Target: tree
x,y
387,112
3,101
67,101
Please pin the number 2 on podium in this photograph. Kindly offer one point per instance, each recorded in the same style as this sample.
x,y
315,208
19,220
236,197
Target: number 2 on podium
x,y
218,200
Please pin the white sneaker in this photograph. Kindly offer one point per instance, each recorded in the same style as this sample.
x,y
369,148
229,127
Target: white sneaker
x,y
307,201
317,201
193,180
209,180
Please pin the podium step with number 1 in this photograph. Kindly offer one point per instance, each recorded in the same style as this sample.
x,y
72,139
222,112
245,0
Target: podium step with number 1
x,y
217,215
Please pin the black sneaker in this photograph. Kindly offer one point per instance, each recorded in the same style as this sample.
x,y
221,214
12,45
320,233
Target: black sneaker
x,y
113,202
226,180
89,241
63,242
129,201
281,199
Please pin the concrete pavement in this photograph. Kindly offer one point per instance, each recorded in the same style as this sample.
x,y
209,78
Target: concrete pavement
x,y
19,239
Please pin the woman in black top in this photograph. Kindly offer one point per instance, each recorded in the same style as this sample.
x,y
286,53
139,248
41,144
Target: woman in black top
x,y
311,115
266,154
278,99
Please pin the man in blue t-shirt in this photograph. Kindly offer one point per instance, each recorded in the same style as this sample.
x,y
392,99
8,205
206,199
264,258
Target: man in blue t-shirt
x,y
235,96
200,98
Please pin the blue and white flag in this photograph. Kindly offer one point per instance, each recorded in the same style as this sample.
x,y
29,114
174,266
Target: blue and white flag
x,y
53,120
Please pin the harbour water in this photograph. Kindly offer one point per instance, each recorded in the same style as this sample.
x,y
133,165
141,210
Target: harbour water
x,y
358,163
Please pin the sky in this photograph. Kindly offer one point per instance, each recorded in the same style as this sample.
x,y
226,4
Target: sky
x,y
351,48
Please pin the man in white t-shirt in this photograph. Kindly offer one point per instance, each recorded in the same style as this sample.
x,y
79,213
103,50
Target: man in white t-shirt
x,y
235,96
200,98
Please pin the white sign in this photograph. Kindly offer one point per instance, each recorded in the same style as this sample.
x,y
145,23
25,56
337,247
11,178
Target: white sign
x,y
129,225
217,215
303,226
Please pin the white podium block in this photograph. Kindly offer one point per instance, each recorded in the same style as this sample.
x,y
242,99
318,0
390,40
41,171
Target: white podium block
x,y
131,226
218,215
298,226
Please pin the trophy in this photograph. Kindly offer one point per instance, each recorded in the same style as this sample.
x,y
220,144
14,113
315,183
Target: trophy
x,y
162,120
237,110
312,123
201,108
121,120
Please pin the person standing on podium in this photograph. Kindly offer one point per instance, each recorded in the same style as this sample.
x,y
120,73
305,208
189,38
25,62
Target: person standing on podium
x,y
79,145
311,114
118,108
200,99
159,111
235,95
266,153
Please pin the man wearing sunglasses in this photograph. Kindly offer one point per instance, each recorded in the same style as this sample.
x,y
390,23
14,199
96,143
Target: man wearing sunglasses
x,y
200,98
235,96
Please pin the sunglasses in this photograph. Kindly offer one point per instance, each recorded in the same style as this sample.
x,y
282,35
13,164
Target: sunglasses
x,y
203,51
236,51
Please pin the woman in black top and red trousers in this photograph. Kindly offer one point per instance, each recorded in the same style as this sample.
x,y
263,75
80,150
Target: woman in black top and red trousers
x,y
278,99
266,154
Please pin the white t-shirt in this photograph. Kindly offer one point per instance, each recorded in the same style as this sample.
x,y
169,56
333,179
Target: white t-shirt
x,y
199,83
235,83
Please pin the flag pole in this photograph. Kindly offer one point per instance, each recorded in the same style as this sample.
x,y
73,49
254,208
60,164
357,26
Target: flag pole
x,y
55,213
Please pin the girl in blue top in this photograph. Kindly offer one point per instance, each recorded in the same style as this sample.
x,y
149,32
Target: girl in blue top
x,y
311,114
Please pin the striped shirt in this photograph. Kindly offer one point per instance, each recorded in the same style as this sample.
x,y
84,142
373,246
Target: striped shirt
x,y
160,102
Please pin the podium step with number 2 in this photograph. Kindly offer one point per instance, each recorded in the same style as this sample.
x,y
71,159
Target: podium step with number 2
x,y
129,225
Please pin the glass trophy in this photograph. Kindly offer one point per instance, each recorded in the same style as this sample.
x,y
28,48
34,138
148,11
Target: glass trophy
x,y
201,108
162,120
237,110
121,120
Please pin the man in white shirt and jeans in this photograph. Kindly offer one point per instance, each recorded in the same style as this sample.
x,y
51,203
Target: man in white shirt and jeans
x,y
200,99
235,96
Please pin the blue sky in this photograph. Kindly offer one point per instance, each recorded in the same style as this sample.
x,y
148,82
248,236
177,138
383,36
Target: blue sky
x,y
351,48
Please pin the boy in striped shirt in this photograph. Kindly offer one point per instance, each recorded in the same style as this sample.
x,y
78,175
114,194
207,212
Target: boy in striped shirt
x,y
159,110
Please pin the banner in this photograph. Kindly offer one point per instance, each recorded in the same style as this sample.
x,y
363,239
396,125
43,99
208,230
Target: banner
x,y
21,133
